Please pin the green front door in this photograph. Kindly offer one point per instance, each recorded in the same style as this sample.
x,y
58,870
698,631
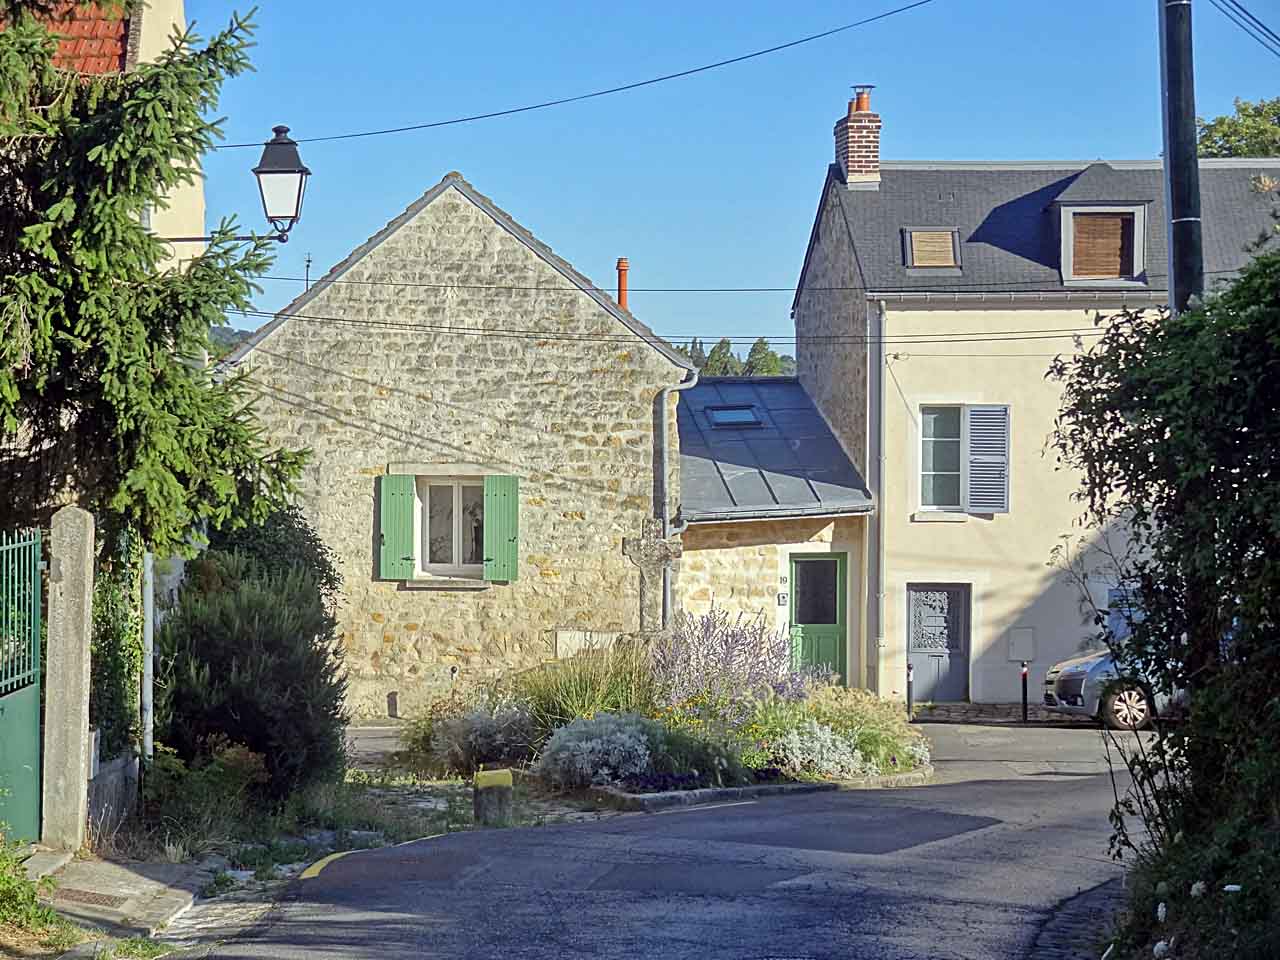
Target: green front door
x,y
819,610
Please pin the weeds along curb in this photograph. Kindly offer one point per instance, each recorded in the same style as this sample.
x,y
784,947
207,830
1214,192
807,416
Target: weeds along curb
x,y
649,802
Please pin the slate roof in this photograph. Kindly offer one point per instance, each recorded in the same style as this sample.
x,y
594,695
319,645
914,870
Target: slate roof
x,y
790,466
455,180
1004,214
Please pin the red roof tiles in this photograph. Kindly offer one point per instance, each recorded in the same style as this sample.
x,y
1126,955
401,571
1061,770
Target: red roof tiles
x,y
93,37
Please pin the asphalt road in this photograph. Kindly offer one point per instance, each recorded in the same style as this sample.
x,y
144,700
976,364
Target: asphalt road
x,y
968,868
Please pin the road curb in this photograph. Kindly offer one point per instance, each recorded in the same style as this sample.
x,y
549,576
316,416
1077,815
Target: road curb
x,y
1077,926
650,802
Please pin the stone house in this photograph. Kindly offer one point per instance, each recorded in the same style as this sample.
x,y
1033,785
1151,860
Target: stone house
x,y
486,429
776,516
932,299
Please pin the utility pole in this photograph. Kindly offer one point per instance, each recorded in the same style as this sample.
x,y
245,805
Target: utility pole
x,y
1181,163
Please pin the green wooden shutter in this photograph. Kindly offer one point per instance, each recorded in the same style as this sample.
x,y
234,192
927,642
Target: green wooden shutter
x,y
395,497
501,528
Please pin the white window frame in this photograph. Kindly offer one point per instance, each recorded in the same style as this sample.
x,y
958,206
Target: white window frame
x,y
964,460
1067,230
421,515
963,509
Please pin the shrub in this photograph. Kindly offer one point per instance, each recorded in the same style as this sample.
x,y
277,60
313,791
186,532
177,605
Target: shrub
x,y
710,762
284,537
603,749
489,732
616,679
814,749
877,727
250,657
206,800
722,659
19,904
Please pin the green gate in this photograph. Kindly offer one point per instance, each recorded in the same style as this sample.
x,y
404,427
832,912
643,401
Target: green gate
x,y
20,555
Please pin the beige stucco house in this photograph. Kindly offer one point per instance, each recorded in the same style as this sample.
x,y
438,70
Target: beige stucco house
x,y
487,427
932,299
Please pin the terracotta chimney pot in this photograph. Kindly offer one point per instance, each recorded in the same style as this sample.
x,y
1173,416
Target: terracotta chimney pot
x,y
623,267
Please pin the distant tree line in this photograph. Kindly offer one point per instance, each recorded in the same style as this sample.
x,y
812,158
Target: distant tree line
x,y
761,361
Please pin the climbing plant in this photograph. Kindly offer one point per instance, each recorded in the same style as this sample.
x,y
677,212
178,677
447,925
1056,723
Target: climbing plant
x,y
116,651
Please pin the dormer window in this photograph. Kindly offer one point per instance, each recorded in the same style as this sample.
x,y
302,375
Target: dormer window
x,y
931,247
1103,245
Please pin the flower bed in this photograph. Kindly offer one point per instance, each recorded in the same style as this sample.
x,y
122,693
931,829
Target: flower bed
x,y
715,705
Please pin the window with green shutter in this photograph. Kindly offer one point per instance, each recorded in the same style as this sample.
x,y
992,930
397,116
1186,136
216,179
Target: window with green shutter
x,y
396,502
501,528
449,527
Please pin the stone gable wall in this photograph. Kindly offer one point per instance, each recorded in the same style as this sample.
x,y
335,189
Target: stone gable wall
x,y
403,384
834,372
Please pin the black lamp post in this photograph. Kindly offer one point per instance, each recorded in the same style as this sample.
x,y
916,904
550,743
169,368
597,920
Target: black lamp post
x,y
282,183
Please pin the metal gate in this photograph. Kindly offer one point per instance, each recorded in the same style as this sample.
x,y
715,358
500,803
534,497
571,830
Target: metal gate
x,y
20,556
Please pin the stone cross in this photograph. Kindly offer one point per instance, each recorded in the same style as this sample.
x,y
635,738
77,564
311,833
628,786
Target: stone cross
x,y
652,554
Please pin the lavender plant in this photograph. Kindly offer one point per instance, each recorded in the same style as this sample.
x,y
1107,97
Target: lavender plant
x,y
724,660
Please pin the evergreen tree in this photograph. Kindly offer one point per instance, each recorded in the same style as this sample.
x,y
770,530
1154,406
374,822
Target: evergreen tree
x,y
721,361
104,400
697,353
762,361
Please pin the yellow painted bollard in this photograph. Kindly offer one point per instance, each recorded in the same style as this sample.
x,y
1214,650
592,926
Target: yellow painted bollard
x,y
492,798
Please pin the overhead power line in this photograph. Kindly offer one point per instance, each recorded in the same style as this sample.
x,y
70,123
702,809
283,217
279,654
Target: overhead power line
x,y
980,285
1238,14
935,337
600,93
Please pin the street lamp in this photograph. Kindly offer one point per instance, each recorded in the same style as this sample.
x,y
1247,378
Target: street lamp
x,y
282,183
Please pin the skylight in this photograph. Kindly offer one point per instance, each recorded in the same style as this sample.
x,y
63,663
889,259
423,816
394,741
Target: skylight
x,y
737,416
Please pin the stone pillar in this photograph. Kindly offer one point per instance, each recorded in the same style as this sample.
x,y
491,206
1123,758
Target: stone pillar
x,y
652,554
66,712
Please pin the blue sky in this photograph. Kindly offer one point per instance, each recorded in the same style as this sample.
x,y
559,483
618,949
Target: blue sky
x,y
709,181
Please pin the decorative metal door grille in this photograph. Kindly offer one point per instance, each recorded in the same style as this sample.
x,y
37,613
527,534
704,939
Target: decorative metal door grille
x,y
936,619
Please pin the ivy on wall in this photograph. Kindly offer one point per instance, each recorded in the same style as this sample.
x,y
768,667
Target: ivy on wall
x,y
116,651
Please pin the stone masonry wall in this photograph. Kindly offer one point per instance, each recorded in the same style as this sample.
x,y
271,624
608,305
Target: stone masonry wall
x,y
737,566
394,379
834,372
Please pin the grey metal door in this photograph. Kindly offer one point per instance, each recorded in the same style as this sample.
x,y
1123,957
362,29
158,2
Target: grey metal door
x,y
938,640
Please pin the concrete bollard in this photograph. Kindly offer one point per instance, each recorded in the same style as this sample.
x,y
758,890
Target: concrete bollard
x,y
492,798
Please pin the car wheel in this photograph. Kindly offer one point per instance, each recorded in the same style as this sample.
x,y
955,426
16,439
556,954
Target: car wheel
x,y
1126,708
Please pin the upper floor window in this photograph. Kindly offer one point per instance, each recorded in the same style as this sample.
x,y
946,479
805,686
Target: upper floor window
x,y
931,247
964,458
1102,246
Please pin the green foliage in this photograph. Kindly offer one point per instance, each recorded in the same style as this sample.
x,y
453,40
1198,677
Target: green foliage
x,y
762,361
284,537
695,352
722,361
250,657
197,800
99,344
1171,423
1252,131
116,650
617,679
19,903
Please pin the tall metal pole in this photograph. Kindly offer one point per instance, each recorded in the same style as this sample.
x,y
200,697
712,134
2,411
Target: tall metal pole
x,y
1181,166
148,653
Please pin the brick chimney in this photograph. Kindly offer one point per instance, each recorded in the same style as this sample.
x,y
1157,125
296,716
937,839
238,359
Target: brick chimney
x,y
858,142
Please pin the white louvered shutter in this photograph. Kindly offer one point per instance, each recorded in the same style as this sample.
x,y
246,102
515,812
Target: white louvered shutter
x,y
988,453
